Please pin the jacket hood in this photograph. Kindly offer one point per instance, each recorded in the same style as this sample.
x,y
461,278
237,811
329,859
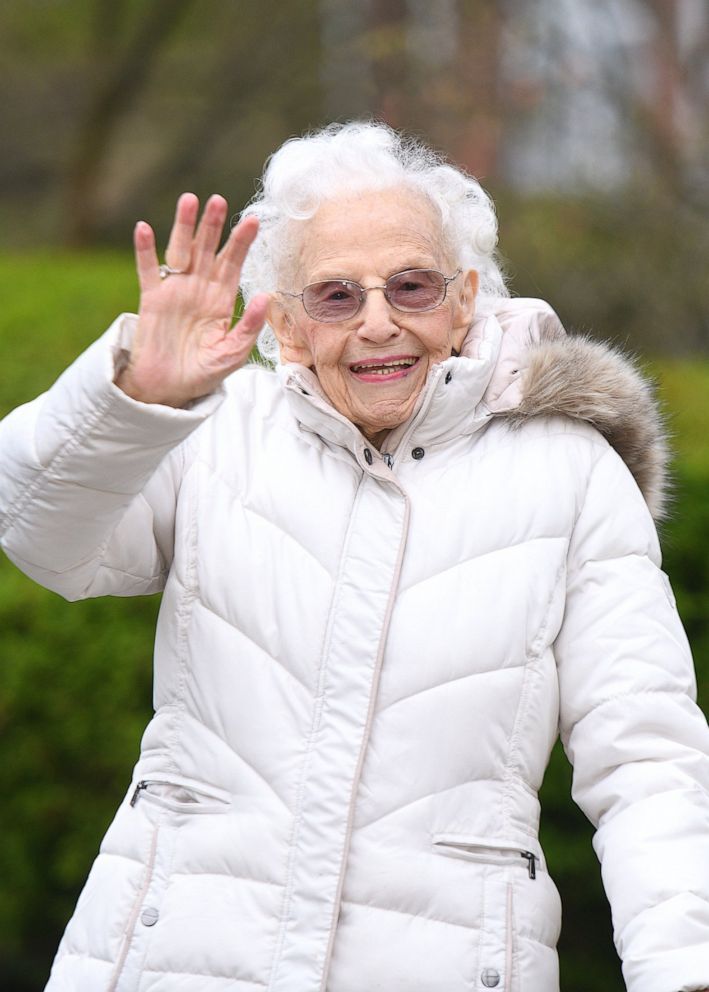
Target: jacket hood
x,y
542,371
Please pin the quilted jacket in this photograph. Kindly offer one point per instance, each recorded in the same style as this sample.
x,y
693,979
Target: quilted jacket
x,y
362,662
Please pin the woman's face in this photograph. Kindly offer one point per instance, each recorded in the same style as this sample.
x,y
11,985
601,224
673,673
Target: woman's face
x,y
366,238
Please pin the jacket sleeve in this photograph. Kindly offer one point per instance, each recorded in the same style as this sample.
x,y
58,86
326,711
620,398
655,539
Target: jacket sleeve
x,y
638,742
89,479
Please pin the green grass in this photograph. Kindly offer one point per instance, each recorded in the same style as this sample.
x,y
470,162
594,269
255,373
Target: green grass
x,y
683,387
53,305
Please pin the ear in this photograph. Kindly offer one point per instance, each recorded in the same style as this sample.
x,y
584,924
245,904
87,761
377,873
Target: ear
x,y
291,340
464,306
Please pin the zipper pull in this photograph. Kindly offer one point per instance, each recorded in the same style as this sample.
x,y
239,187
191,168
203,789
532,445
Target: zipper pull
x,y
388,460
138,789
531,860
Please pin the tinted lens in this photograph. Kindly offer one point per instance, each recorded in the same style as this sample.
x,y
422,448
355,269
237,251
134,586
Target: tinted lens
x,y
331,301
417,289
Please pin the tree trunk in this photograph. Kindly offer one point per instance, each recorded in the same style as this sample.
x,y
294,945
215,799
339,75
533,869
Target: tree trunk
x,y
120,82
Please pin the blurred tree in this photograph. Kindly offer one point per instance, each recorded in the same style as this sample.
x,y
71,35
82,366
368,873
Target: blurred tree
x,y
386,42
124,44
669,105
115,108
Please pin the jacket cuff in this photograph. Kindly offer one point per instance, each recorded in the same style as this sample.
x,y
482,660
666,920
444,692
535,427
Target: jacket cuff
x,y
105,435
681,969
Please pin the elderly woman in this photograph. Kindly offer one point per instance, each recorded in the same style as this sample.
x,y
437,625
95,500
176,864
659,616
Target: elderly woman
x,y
393,569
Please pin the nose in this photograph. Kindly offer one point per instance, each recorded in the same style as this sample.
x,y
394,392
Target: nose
x,y
377,318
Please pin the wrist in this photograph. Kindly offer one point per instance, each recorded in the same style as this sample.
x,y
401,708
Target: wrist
x,y
130,384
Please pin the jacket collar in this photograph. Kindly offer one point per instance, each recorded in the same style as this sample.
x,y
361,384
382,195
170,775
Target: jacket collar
x,y
460,394
450,403
516,362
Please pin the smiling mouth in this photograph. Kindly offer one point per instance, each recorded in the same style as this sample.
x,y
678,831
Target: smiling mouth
x,y
372,367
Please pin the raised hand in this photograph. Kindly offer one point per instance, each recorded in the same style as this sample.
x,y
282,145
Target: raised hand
x,y
184,343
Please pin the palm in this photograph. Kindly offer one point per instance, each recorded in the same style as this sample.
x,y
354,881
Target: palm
x,y
185,343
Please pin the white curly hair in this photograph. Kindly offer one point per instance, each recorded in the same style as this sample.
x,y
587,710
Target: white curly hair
x,y
342,159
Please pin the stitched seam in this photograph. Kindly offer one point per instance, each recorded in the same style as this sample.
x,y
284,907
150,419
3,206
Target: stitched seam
x,y
85,957
513,431
183,615
415,916
106,492
228,875
197,974
239,756
73,442
440,685
132,575
411,802
508,945
127,936
374,686
124,857
605,451
172,828
261,516
251,640
481,555
483,927
531,672
622,696
271,523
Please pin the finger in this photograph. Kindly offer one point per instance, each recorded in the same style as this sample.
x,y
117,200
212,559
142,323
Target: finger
x,y
244,333
178,253
209,232
231,258
146,259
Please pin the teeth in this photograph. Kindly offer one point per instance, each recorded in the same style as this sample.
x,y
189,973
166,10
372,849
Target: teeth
x,y
385,369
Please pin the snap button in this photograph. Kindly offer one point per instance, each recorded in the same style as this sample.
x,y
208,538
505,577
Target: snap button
x,y
449,376
149,916
418,454
368,456
490,978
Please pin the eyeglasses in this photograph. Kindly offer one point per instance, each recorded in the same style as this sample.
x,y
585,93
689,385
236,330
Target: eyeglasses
x,y
412,291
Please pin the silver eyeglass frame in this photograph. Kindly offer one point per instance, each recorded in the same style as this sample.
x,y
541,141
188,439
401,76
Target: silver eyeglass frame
x,y
362,291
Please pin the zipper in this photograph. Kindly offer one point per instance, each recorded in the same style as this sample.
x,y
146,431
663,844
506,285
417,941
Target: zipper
x,y
388,460
180,796
500,852
426,400
532,859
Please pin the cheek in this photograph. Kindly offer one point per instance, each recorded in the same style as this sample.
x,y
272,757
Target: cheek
x,y
326,349
439,337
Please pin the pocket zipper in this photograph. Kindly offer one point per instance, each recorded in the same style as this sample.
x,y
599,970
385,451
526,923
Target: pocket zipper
x,y
216,798
486,853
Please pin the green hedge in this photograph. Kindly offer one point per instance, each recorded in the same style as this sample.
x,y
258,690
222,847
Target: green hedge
x,y
75,681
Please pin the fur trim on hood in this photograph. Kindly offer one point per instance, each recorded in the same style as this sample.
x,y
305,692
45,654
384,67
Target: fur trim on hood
x,y
544,372
592,381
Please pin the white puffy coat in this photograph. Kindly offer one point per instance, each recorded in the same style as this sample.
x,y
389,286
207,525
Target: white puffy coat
x,y
362,663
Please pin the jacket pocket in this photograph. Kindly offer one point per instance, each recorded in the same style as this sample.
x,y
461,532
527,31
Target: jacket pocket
x,y
180,795
162,805
505,864
509,854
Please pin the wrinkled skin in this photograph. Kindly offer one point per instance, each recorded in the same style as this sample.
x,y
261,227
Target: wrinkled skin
x,y
367,238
